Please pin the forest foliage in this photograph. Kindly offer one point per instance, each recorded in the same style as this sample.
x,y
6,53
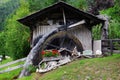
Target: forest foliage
x,y
114,18
6,8
14,37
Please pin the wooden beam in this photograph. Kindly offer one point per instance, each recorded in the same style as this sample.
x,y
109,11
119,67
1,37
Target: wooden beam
x,y
106,40
111,47
64,18
76,24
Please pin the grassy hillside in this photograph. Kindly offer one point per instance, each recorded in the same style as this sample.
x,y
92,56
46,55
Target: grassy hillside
x,y
107,68
12,74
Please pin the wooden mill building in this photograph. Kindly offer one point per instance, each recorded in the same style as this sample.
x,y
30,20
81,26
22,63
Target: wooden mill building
x,y
75,26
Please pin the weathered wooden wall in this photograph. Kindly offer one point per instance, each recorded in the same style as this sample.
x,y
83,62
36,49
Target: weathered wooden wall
x,y
84,36
81,32
42,29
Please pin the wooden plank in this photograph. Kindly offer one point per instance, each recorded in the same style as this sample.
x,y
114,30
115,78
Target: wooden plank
x,y
13,62
76,24
64,18
108,50
110,45
116,51
106,40
52,58
11,69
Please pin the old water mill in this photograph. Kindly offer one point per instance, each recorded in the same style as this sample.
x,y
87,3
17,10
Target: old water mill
x,y
63,30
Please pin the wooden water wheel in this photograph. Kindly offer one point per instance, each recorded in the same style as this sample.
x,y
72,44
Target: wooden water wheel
x,y
62,39
66,44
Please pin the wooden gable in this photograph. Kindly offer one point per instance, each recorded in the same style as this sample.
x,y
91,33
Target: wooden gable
x,y
54,12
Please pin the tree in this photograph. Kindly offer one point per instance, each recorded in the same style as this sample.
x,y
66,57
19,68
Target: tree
x,y
2,43
81,4
6,8
39,4
96,5
16,40
114,15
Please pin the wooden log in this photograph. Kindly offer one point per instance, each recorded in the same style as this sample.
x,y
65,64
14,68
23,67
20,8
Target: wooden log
x,y
33,55
78,23
13,62
11,69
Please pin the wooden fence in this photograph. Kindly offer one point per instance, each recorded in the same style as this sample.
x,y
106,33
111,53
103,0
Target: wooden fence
x,y
111,46
11,63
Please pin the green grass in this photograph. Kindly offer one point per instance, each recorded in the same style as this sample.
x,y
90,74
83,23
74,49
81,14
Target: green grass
x,y
12,74
6,61
13,65
107,68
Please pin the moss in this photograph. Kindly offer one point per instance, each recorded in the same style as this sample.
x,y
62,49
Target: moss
x,y
32,68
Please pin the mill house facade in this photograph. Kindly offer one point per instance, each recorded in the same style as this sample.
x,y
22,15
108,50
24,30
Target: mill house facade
x,y
75,27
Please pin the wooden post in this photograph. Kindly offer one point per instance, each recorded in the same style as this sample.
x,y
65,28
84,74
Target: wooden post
x,y
64,18
111,47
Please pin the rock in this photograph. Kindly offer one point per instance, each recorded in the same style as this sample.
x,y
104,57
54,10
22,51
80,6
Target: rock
x,y
98,52
7,57
87,52
37,70
0,59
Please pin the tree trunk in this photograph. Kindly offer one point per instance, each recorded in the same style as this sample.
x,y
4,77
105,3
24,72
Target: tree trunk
x,y
105,25
34,57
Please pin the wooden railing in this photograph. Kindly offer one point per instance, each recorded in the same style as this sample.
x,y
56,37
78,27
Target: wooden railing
x,y
111,46
11,63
